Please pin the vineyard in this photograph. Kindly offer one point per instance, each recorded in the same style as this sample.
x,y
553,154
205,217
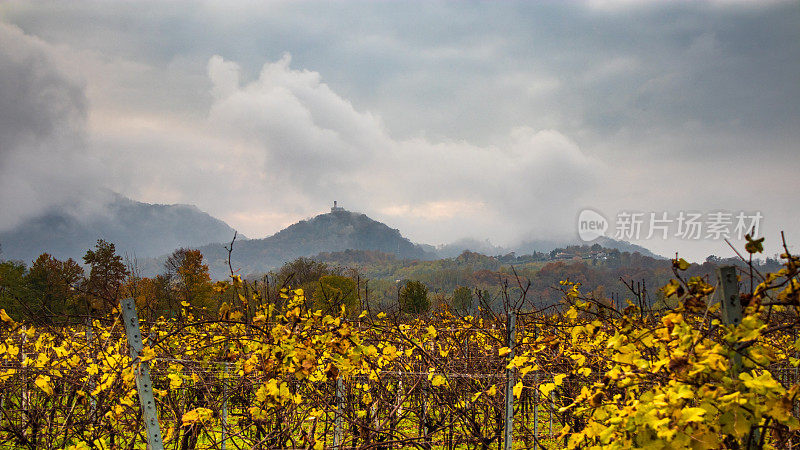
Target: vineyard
x,y
580,374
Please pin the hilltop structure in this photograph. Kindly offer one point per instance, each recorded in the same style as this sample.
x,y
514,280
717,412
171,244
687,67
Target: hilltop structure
x,y
335,208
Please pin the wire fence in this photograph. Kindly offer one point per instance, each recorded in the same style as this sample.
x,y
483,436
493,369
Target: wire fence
x,y
447,393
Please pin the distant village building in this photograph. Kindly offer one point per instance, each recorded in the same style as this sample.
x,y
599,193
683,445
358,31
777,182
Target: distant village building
x,y
336,208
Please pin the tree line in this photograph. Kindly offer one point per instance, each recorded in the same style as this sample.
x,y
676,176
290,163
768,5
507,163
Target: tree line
x,y
54,291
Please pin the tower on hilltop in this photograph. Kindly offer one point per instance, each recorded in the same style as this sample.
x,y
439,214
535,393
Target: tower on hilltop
x,y
336,208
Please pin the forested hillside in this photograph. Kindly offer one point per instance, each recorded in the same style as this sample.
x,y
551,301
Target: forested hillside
x,y
332,232
601,271
51,288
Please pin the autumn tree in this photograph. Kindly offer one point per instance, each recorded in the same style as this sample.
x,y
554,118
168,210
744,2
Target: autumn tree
x,y
189,277
154,297
303,273
106,276
52,285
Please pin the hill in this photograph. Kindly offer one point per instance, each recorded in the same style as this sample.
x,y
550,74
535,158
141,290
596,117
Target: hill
x,y
604,241
150,232
136,228
336,231
535,246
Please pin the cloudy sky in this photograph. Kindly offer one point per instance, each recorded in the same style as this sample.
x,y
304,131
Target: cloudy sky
x,y
443,119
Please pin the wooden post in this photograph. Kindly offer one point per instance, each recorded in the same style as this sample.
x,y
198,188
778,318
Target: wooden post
x,y
93,401
731,306
795,403
142,373
400,394
508,425
225,405
426,444
535,397
23,357
732,315
536,408
426,441
337,433
373,412
552,410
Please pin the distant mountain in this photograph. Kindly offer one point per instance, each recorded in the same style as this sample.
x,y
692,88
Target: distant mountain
x,y
456,248
336,231
136,228
546,245
150,232
624,246
532,246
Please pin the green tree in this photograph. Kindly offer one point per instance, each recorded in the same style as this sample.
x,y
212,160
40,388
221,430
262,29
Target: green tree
x,y
332,291
414,298
462,300
13,287
302,271
106,275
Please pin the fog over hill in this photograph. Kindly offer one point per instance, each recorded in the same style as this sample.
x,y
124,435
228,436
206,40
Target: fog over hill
x,y
331,232
341,230
150,232
538,245
137,229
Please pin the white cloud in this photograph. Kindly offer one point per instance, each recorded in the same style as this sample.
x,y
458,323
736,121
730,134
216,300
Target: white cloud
x,y
285,144
224,75
434,211
318,145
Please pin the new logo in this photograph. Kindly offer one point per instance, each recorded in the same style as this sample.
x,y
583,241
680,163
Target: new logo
x,y
591,225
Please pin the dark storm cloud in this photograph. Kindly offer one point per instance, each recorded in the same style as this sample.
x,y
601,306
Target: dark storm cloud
x,y
43,161
728,69
643,66
38,103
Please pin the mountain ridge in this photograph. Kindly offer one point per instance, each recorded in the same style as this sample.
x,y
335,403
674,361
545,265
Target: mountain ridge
x,y
539,245
136,228
150,232
338,230
342,230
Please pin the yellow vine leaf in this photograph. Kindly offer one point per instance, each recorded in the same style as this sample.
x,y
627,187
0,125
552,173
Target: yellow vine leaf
x,y
693,414
175,380
43,381
5,317
197,415
147,354
518,389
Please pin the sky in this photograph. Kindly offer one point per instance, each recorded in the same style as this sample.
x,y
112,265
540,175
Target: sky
x,y
446,120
